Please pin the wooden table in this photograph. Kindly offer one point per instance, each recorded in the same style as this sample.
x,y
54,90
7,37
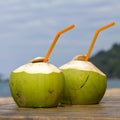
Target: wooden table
x,y
108,109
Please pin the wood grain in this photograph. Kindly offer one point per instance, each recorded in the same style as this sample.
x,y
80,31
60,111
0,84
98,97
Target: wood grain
x,y
108,109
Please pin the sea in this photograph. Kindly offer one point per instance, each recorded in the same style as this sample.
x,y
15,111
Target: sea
x,y
5,91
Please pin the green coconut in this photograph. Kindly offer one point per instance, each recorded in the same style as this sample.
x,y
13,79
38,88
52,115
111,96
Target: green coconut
x,y
37,84
84,82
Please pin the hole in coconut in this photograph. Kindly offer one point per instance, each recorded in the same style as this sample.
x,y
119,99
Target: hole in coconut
x,y
80,57
38,59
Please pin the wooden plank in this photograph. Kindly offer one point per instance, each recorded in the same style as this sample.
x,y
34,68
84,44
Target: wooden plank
x,y
108,109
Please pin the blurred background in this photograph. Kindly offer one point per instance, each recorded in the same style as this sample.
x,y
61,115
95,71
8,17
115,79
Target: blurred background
x,y
28,27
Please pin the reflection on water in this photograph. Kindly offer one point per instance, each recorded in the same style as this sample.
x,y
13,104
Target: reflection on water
x,y
5,91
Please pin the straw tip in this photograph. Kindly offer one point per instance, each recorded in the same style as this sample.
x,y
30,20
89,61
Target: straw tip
x,y
113,23
73,25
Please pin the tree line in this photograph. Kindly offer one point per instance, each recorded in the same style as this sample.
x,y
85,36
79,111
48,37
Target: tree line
x,y
108,61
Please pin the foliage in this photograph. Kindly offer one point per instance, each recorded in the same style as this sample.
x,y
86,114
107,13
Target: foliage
x,y
108,61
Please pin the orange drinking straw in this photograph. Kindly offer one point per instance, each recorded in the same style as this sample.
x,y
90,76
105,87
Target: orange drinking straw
x,y
55,40
95,37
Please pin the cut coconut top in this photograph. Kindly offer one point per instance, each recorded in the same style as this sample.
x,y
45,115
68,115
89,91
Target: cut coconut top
x,y
81,65
37,66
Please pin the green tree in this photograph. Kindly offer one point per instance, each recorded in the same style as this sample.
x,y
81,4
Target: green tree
x,y
108,61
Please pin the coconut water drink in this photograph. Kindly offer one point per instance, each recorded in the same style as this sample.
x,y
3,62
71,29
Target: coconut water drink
x,y
38,83
84,82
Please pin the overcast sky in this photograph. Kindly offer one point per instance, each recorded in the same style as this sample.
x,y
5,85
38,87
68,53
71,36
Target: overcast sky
x,y
28,27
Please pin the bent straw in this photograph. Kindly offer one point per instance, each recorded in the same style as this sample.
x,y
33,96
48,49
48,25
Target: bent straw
x,y
55,40
95,37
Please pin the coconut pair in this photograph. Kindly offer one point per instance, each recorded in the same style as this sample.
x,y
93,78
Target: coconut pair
x,y
41,84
